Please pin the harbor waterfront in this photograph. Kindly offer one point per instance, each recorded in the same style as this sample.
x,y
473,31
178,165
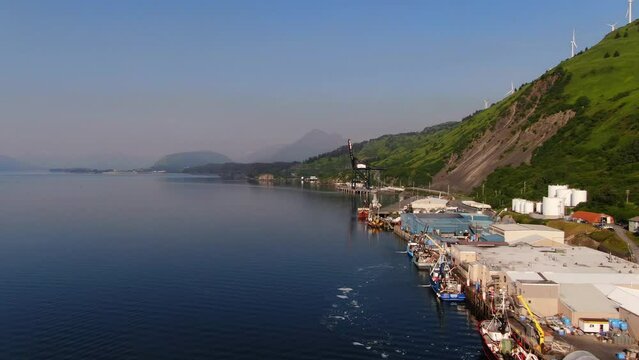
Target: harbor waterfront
x,y
541,297
174,266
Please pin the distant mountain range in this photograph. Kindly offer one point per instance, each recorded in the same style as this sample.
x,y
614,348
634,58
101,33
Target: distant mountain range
x,y
183,160
313,143
117,161
11,164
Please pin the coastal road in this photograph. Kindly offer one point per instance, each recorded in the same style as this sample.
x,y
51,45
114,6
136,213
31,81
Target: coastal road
x,y
632,246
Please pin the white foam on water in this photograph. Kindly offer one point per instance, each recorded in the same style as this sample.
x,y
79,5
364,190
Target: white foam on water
x,y
345,289
424,286
384,356
342,296
401,252
357,343
380,266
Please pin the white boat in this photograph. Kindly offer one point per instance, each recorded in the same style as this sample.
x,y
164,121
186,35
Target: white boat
x,y
497,340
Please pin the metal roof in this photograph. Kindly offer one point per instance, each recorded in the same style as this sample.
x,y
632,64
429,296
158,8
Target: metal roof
x,y
580,355
627,298
569,264
523,227
446,223
524,275
585,298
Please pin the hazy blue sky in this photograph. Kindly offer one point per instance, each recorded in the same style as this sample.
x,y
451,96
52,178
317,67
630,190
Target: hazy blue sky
x,y
144,78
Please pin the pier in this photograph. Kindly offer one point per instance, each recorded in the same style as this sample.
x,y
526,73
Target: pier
x,y
354,191
549,292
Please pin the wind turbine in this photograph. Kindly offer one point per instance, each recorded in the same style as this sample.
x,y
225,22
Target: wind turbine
x,y
573,44
612,27
485,104
512,89
629,11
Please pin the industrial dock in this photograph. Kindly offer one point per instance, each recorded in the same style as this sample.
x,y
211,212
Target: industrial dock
x,y
563,301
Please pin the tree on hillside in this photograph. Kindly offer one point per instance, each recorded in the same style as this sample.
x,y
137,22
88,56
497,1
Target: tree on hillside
x,y
616,54
607,55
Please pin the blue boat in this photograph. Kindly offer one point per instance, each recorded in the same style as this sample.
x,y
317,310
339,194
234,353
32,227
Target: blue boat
x,y
411,247
443,283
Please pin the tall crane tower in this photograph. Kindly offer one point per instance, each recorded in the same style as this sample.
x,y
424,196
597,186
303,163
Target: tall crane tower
x,y
361,171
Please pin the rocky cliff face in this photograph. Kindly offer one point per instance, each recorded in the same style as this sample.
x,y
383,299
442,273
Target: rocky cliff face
x,y
510,141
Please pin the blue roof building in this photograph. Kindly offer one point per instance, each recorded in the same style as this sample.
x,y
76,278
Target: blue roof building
x,y
447,223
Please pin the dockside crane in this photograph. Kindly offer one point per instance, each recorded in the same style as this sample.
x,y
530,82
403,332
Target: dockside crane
x,y
538,329
362,172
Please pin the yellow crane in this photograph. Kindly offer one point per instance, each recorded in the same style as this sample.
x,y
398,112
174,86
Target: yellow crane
x,y
532,317
439,247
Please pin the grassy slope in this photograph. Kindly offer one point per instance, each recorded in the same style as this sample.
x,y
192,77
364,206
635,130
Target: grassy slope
x,y
599,149
412,157
603,240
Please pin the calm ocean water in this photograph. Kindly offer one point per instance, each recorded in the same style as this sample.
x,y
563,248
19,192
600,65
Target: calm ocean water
x,y
178,267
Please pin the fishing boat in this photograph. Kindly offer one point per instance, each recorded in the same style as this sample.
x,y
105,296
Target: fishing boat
x,y
411,247
375,223
425,260
497,338
362,213
443,283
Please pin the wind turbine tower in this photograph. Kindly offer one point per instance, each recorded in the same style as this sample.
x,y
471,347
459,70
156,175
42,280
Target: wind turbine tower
x,y
512,89
573,44
629,11
485,104
612,27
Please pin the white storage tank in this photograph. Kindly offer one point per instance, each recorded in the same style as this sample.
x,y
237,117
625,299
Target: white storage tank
x,y
552,189
517,207
521,205
578,197
514,205
553,206
529,207
538,207
565,194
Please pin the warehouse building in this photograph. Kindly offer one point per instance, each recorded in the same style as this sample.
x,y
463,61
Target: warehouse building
x,y
514,233
581,283
457,224
592,218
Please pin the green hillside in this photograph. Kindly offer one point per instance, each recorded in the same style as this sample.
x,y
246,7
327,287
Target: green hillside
x,y
597,149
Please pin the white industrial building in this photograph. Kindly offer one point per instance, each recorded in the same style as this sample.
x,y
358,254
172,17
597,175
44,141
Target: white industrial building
x,y
429,204
633,224
514,233
581,283
476,205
